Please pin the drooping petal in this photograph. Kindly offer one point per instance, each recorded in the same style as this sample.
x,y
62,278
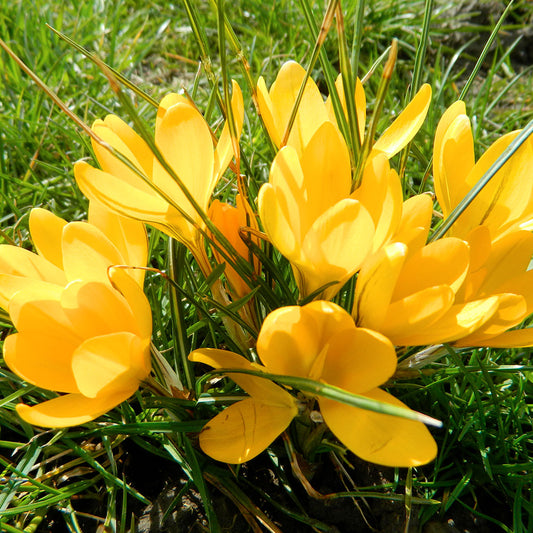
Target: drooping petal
x,y
243,430
379,438
42,360
109,363
124,199
406,125
375,285
87,253
46,229
129,237
260,388
71,409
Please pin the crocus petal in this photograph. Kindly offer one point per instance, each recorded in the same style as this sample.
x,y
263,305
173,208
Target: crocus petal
x,y
166,103
442,262
406,125
183,126
518,338
416,311
95,308
311,113
42,360
375,285
461,320
379,438
511,311
415,221
122,138
259,388
453,163
245,429
136,299
381,194
46,229
336,246
71,409
17,261
87,253
292,337
124,199
266,110
129,237
326,167
347,363
108,363
224,150
10,285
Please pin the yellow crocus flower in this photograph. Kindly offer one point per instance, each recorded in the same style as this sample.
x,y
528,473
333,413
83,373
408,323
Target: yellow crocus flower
x,y
505,204
276,106
73,251
184,138
87,340
308,214
318,341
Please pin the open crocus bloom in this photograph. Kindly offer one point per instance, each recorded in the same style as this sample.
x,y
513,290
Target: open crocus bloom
x,y
87,340
151,194
505,204
276,107
318,341
73,251
308,214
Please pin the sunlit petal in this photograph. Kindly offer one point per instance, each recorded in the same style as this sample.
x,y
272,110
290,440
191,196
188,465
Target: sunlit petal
x,y
46,229
379,438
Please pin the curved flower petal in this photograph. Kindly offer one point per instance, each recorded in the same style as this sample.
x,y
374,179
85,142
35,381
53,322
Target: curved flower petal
x,y
71,409
17,261
224,150
95,308
379,438
42,360
292,338
243,430
406,125
417,311
375,285
87,253
129,237
183,126
10,285
104,364
461,320
347,363
122,138
46,230
415,221
336,246
442,262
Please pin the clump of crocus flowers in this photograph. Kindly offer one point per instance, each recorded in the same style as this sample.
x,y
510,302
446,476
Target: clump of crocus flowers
x,y
339,223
